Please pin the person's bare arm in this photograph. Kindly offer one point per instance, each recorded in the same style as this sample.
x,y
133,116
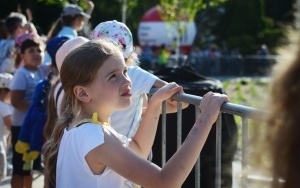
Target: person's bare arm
x,y
7,122
143,139
89,10
147,174
29,25
170,104
17,100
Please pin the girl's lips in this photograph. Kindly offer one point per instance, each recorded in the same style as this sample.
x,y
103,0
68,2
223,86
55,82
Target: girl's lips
x,y
126,94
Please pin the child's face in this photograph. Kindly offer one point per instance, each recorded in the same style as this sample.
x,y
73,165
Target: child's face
x,y
21,29
112,86
5,95
79,23
32,57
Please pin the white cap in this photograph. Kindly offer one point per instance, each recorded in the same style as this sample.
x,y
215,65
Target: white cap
x,y
66,48
5,79
116,32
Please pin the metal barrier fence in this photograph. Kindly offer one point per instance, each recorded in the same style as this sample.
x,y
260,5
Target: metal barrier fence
x,y
251,65
244,112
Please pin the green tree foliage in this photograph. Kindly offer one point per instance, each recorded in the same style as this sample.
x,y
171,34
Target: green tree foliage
x,y
112,10
281,11
184,10
245,25
174,10
43,14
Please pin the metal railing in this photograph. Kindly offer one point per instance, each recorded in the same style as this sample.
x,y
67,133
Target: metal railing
x,y
244,112
225,65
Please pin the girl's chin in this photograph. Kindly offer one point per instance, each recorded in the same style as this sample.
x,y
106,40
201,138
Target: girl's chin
x,y
125,105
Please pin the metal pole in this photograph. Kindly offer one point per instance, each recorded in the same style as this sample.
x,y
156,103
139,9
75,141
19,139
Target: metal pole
x,y
197,166
124,9
218,151
179,124
164,134
244,152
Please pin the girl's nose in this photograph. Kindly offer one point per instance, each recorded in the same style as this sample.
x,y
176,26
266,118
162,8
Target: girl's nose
x,y
126,81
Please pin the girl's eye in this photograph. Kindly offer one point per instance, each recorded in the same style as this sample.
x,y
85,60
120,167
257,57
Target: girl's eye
x,y
112,76
125,71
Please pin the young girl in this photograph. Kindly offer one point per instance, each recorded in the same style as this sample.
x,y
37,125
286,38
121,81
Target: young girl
x,y
71,21
85,151
17,25
142,81
5,120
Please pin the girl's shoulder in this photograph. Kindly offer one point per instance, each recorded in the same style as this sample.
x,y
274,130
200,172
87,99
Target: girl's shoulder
x,y
4,105
7,43
21,71
91,129
5,109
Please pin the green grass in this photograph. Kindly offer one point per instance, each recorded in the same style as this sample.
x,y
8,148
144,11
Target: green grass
x,y
248,92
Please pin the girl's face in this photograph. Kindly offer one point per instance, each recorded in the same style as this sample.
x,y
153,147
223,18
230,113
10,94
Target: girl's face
x,y
21,29
79,23
32,57
5,95
112,87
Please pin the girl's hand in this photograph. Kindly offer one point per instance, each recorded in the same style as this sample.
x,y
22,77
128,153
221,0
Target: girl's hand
x,y
90,6
166,92
211,104
29,15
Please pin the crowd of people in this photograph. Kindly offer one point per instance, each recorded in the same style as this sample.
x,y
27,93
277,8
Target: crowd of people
x,y
40,99
78,105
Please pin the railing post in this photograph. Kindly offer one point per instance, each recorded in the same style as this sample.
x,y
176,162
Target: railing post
x,y
244,152
244,112
218,151
163,134
197,166
179,124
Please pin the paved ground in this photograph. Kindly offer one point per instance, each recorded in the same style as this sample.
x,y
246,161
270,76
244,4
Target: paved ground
x,y
38,181
38,178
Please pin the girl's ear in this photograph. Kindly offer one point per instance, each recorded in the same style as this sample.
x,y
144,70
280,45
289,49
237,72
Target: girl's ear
x,y
81,94
22,56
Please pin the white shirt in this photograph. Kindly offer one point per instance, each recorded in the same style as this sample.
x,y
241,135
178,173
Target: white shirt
x,y
126,122
5,110
72,169
26,80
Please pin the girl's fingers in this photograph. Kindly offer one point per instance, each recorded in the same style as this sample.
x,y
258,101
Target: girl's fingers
x,y
211,99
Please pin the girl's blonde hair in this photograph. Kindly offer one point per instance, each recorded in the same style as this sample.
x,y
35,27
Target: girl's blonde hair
x,y
284,123
79,68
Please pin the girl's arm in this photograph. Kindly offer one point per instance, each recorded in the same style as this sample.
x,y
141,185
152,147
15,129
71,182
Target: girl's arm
x,y
7,122
91,6
123,161
171,104
142,141
17,100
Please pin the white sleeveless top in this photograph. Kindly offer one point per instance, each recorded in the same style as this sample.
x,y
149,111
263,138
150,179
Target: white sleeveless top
x,y
72,169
